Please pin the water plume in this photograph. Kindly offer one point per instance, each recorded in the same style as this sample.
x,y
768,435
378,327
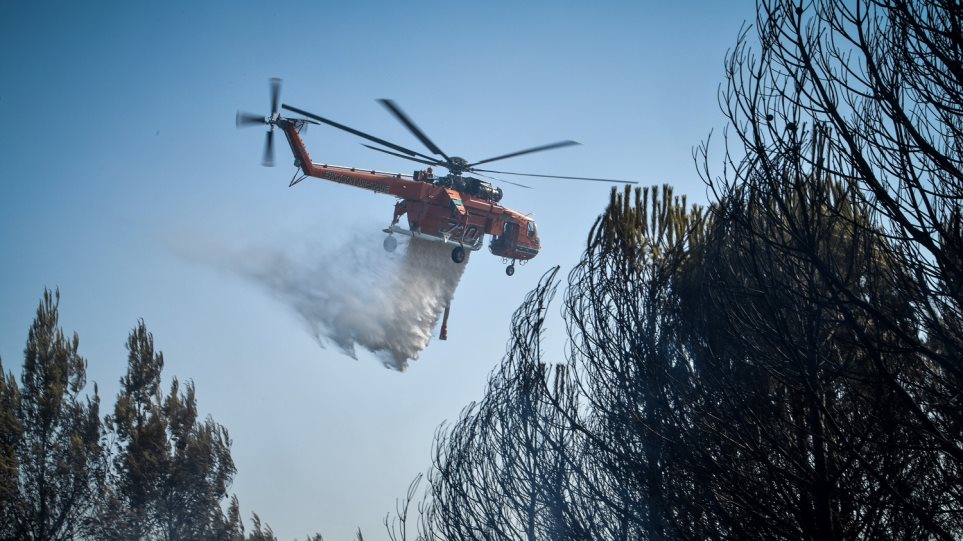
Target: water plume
x,y
358,295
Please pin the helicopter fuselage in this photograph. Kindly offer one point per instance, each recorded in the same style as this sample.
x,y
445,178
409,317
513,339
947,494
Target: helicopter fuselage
x,y
451,209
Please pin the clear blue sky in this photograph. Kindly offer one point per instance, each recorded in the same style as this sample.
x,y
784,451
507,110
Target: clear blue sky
x,y
119,148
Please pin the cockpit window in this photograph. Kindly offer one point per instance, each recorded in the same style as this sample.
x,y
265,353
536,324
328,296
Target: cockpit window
x,y
531,229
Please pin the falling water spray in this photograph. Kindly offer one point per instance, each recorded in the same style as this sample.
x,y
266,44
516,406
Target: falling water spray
x,y
357,295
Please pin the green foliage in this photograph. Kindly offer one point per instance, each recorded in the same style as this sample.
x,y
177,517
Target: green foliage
x,y
164,475
642,227
260,533
10,433
170,471
59,464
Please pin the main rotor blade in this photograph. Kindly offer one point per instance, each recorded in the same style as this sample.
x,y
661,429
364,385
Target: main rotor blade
x,y
426,162
275,94
355,132
248,119
549,146
268,159
503,180
395,110
557,176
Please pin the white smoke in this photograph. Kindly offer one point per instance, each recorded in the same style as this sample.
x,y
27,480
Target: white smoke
x,y
358,294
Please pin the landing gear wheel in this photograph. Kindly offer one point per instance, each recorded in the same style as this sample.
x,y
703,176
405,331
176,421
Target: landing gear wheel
x,y
390,244
510,270
458,254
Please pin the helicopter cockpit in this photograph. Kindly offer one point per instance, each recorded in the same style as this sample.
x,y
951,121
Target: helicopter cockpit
x,y
517,241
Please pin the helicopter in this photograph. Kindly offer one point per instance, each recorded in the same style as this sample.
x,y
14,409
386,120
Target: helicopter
x,y
456,209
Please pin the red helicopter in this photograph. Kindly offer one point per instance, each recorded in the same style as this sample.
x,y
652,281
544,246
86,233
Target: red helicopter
x,y
455,209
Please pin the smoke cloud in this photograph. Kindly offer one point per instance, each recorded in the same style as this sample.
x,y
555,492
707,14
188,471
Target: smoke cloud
x,y
358,295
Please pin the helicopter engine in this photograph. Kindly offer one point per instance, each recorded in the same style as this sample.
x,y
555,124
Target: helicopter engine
x,y
482,190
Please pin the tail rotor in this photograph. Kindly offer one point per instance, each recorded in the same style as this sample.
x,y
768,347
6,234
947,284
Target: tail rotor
x,y
243,120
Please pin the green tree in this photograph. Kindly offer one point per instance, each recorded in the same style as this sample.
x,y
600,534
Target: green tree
x,y
170,472
60,461
10,433
163,475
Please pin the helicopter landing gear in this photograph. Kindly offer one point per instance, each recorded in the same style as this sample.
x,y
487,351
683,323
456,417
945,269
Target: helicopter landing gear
x,y
510,270
458,254
390,243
